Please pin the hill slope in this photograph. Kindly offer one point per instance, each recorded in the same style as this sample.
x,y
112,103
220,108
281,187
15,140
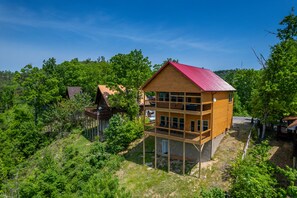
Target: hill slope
x,y
69,167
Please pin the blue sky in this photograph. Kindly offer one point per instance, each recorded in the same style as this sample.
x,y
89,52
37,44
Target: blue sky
x,y
211,34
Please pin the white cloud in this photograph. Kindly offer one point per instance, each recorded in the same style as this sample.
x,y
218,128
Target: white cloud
x,y
94,27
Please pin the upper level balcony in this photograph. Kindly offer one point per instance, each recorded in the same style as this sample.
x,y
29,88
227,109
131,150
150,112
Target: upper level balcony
x,y
189,103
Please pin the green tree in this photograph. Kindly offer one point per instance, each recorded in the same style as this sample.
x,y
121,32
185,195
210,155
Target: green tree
x,y
127,73
62,117
275,96
289,31
19,138
156,67
38,89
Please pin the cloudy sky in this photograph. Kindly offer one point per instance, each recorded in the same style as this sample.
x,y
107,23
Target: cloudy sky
x,y
211,34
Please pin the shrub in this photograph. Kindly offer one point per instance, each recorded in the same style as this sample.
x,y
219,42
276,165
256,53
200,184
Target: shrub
x,y
212,193
254,176
121,132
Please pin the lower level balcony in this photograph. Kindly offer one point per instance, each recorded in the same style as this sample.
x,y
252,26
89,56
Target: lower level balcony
x,y
178,134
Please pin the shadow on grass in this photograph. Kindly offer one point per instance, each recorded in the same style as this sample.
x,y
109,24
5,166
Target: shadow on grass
x,y
282,153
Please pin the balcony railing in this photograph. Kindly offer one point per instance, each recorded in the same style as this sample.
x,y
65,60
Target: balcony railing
x,y
179,106
178,134
103,114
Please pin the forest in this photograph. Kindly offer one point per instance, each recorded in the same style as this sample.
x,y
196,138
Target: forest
x,y
38,162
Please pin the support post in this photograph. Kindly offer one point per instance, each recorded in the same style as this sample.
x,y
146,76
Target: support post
x,y
184,158
143,160
200,160
168,155
201,120
155,152
185,107
144,128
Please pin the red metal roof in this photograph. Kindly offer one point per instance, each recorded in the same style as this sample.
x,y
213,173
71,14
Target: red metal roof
x,y
203,78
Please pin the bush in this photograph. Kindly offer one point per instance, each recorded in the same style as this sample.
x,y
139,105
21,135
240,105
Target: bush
x,y
254,176
212,193
121,132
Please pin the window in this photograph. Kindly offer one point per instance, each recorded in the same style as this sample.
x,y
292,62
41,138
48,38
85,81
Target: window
x,y
163,96
180,99
173,98
174,122
192,125
188,99
162,121
164,146
205,125
181,124
198,100
230,97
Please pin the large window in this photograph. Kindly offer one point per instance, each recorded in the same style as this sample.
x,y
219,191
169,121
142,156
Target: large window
x,y
188,99
174,122
192,125
163,96
198,100
205,125
162,121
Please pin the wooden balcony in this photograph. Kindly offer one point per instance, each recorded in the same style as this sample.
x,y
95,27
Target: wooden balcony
x,y
178,134
104,114
180,107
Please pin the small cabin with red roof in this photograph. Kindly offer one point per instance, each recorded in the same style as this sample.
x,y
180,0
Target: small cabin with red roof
x,y
193,108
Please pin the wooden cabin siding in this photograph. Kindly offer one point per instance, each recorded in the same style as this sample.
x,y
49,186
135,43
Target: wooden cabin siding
x,y
222,113
206,97
170,80
187,122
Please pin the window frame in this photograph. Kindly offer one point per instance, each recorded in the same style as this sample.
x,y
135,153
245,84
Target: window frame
x,y
164,147
205,127
181,122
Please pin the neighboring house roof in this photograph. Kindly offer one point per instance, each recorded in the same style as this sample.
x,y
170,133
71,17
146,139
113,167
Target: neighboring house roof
x,y
293,124
72,91
290,118
106,92
203,78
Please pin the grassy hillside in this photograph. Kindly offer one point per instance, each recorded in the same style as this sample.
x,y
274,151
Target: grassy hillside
x,y
69,167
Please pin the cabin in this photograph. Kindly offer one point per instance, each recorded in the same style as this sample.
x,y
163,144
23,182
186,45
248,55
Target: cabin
x,y
98,117
193,110
72,91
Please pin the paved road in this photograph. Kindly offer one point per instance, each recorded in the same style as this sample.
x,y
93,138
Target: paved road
x,y
238,120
